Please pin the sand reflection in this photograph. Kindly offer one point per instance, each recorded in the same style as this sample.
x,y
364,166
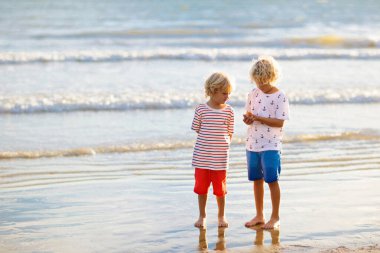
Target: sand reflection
x,y
260,238
220,243
258,241
202,239
274,234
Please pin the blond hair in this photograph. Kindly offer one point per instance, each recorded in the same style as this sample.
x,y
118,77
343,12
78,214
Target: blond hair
x,y
265,70
216,82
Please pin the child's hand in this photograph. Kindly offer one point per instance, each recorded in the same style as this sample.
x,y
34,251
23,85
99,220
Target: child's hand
x,y
248,118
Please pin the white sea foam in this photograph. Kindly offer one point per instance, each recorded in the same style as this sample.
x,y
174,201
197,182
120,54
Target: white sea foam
x,y
56,103
366,135
206,54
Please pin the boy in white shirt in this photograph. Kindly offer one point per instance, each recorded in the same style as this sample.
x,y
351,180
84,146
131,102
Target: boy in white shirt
x,y
267,108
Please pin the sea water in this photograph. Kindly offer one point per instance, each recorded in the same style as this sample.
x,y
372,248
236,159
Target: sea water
x,y
101,95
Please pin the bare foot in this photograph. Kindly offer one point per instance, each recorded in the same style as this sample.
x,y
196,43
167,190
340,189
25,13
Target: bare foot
x,y
271,224
222,222
255,221
200,223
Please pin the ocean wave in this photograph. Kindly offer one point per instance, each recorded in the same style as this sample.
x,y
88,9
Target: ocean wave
x,y
219,38
204,54
56,103
92,150
73,102
366,135
334,41
131,33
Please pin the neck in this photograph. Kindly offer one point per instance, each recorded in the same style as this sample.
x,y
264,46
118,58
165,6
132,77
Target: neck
x,y
215,105
266,88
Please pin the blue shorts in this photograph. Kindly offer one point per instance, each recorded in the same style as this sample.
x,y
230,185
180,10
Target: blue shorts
x,y
264,164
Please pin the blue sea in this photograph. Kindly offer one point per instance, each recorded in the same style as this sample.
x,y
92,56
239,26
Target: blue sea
x,y
97,99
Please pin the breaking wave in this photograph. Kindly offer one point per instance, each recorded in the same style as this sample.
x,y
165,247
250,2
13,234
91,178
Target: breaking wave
x,y
55,103
205,54
366,135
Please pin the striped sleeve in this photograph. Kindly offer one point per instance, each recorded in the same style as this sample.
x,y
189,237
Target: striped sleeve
x,y
196,125
231,122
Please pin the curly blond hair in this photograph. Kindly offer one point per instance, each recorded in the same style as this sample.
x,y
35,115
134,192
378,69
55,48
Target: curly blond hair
x,y
216,82
265,70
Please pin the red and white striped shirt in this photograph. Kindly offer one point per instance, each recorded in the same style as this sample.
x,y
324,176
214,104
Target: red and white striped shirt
x,y
214,128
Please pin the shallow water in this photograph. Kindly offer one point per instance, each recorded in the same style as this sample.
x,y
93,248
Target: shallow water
x,y
143,202
96,102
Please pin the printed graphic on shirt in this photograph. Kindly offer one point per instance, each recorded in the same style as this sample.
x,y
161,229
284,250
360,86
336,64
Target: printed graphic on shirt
x,y
214,128
261,137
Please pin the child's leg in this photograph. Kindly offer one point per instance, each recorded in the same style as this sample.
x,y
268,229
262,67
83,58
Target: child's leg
x,y
275,194
258,189
272,169
202,202
255,174
259,197
219,185
202,184
222,222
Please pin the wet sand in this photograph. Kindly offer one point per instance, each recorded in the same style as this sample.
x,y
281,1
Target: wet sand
x,y
375,248
136,202
271,246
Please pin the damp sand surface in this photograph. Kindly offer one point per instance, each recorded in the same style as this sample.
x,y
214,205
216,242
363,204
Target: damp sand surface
x,y
143,202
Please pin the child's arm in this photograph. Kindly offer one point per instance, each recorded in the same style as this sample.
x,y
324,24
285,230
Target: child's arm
x,y
246,117
196,125
272,122
231,124
282,114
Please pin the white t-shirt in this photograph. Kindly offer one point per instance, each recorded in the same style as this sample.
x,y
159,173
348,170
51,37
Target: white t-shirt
x,y
261,137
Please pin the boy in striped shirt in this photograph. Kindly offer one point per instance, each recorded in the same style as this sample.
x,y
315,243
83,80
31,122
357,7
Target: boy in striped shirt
x,y
214,123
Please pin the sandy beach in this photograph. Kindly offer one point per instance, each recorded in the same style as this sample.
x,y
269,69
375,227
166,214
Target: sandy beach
x,y
375,248
142,205
96,104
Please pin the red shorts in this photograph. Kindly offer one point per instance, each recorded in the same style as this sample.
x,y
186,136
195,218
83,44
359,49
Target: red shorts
x,y
203,179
